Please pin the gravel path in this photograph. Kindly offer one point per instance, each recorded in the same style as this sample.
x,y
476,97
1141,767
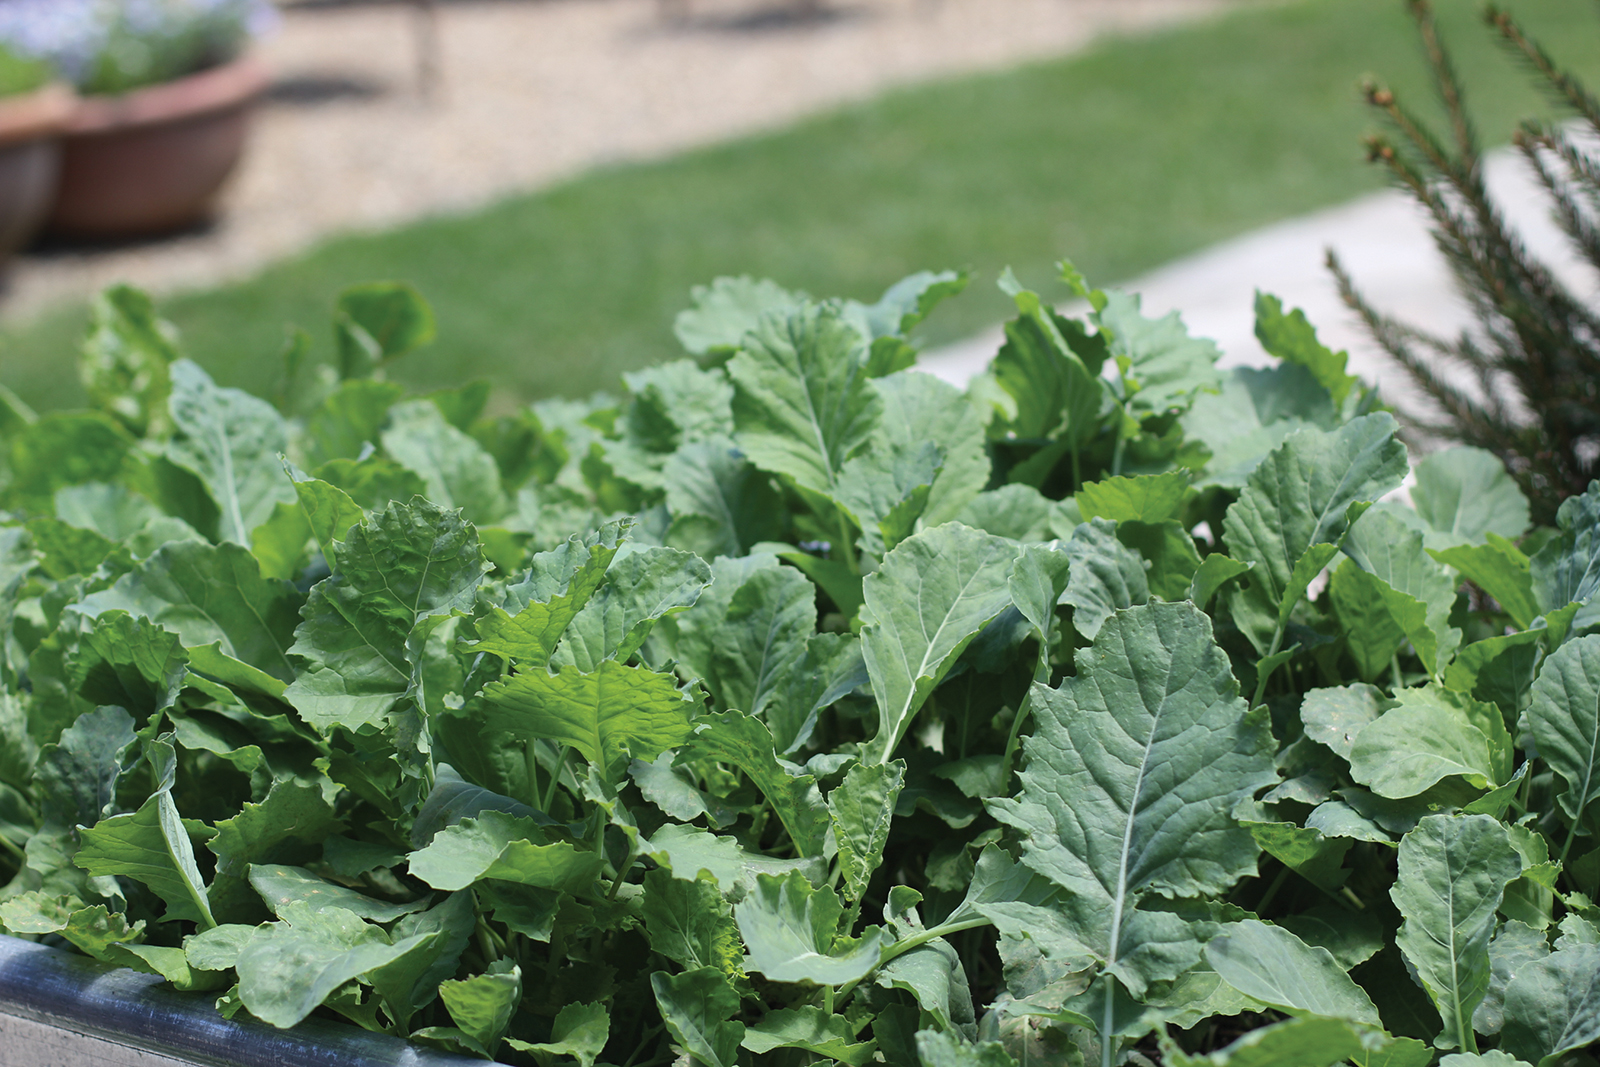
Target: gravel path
x,y
534,91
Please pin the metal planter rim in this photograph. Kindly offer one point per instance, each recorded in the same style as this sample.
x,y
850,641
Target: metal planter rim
x,y
83,996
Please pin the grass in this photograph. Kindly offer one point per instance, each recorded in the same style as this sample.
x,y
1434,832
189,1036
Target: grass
x,y
1123,157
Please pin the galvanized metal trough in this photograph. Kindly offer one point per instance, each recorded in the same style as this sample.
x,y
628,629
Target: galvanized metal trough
x,y
62,1010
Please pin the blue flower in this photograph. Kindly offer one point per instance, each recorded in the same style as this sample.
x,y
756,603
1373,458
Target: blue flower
x,y
108,46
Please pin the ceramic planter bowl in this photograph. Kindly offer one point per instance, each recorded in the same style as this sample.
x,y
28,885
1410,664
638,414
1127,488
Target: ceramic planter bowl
x,y
59,1009
30,157
154,159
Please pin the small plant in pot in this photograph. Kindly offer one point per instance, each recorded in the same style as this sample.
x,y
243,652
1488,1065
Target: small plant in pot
x,y
34,110
167,88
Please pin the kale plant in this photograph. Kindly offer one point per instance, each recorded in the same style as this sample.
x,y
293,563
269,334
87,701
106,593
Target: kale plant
x,y
796,707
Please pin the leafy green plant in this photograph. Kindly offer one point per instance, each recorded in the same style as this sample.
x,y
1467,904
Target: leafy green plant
x,y
19,74
797,707
1522,383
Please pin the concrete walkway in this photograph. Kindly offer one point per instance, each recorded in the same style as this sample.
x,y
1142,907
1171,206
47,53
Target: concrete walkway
x,y
1384,242
535,91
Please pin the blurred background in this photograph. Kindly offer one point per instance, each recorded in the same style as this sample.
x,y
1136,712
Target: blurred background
x,y
555,175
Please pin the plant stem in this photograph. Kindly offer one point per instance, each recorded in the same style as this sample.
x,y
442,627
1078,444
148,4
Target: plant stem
x,y
622,872
555,780
1396,682
1566,849
1262,676
1041,673
1272,889
1108,1020
11,847
531,755
900,948
845,547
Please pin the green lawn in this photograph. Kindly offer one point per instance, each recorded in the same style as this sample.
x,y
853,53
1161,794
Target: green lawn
x,y
1123,157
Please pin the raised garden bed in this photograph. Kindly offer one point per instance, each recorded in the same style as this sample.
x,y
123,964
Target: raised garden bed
x,y
799,705
58,1009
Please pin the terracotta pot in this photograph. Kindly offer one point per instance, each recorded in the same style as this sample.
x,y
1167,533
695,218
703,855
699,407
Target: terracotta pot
x,y
30,158
154,159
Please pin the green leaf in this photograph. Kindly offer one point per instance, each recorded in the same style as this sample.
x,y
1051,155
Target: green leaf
x,y
862,808
1514,947
735,738
483,1004
790,927
1105,576
1453,873
1214,572
912,402
1016,511
1162,366
727,309
1256,411
1462,494
558,585
832,667
698,1007
1498,669
640,587
351,416
62,450
67,550
1334,717
803,402
294,892
150,846
1500,569
1153,691
1553,1005
811,1030
1564,719
232,441
1316,853
284,827
1396,578
1433,733
125,358
286,970
691,854
721,504
580,1031
1567,569
885,490
1055,394
393,315
397,575
932,595
1292,339
1272,965
504,847
614,714
689,922
1492,1058
455,468
934,975
210,594
411,983
1306,492
1302,1042
747,634
1141,498
943,1049
76,777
